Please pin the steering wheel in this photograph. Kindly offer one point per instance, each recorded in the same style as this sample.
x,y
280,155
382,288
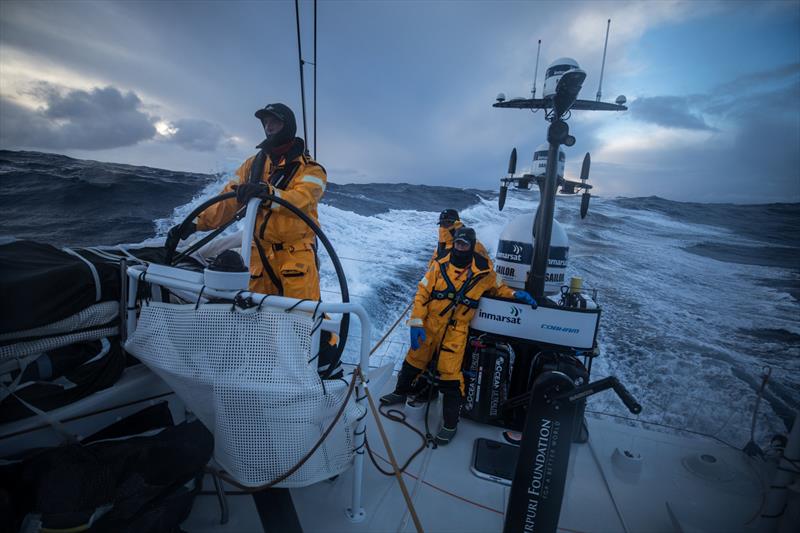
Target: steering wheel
x,y
170,258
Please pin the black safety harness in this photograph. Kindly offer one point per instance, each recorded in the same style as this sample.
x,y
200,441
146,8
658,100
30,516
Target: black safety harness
x,y
280,179
456,296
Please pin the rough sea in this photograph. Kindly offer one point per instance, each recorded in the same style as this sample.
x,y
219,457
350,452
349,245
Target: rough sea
x,y
697,298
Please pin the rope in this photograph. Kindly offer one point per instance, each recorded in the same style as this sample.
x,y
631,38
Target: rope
x,y
400,417
225,477
398,474
396,322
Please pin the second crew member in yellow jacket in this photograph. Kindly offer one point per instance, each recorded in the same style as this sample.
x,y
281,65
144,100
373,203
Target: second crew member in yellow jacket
x,y
449,222
283,258
444,305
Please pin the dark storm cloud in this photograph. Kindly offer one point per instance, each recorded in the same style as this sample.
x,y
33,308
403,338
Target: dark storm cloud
x,y
758,79
95,120
198,135
89,120
751,154
669,111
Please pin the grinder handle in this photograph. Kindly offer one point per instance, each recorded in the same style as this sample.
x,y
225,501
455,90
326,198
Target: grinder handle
x,y
627,398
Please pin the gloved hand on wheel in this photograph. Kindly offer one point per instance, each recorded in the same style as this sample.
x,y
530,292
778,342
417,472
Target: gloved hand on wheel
x,y
176,235
247,191
525,298
417,336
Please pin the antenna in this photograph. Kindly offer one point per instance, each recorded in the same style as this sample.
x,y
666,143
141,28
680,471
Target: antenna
x,y
536,69
302,81
603,67
315,79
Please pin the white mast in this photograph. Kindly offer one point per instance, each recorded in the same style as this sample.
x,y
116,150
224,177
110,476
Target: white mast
x,y
536,69
603,67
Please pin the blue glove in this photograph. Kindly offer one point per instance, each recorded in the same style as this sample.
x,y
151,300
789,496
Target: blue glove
x,y
526,298
417,334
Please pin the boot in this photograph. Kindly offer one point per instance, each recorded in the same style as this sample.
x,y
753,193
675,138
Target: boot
x,y
405,385
445,435
451,402
393,398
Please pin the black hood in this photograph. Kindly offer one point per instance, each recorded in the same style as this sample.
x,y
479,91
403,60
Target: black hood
x,y
458,258
284,114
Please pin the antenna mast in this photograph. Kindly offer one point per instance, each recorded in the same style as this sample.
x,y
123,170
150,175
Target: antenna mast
x,y
302,81
315,79
536,69
603,67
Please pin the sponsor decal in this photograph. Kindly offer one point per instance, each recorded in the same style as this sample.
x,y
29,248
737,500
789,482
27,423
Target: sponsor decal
x,y
499,318
494,401
521,252
553,327
554,277
515,252
505,271
543,466
514,311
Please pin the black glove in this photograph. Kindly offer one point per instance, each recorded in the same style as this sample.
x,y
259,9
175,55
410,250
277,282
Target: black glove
x,y
175,234
247,191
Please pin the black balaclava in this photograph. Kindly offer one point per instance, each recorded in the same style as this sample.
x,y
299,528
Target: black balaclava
x,y
447,217
458,258
287,133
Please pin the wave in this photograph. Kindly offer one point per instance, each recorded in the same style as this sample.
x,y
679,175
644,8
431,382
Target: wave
x,y
696,298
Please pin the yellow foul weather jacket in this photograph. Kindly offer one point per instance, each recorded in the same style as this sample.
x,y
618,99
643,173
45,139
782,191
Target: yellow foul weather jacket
x,y
283,259
446,244
444,305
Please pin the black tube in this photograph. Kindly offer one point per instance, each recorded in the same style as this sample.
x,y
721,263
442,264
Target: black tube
x,y
337,265
543,224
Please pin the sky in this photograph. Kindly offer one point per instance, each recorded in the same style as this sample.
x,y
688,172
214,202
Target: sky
x,y
404,89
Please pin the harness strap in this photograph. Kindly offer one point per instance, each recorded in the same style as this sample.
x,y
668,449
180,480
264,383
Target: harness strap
x,y
268,269
460,297
456,296
257,168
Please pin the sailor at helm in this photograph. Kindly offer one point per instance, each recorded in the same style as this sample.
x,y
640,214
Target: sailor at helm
x,y
449,222
283,256
446,299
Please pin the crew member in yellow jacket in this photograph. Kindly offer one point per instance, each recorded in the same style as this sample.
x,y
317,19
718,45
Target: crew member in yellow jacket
x,y
444,305
449,222
283,257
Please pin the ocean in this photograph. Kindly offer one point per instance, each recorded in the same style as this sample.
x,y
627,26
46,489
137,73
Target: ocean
x,y
697,298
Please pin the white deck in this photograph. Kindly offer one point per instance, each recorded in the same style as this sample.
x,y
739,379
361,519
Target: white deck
x,y
601,495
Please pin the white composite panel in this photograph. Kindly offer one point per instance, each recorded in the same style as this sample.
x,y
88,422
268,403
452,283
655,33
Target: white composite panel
x,y
558,326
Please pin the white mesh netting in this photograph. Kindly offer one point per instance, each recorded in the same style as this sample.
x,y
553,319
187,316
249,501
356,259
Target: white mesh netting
x,y
246,376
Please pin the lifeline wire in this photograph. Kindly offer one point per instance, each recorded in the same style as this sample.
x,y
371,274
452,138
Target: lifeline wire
x,y
396,322
397,473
